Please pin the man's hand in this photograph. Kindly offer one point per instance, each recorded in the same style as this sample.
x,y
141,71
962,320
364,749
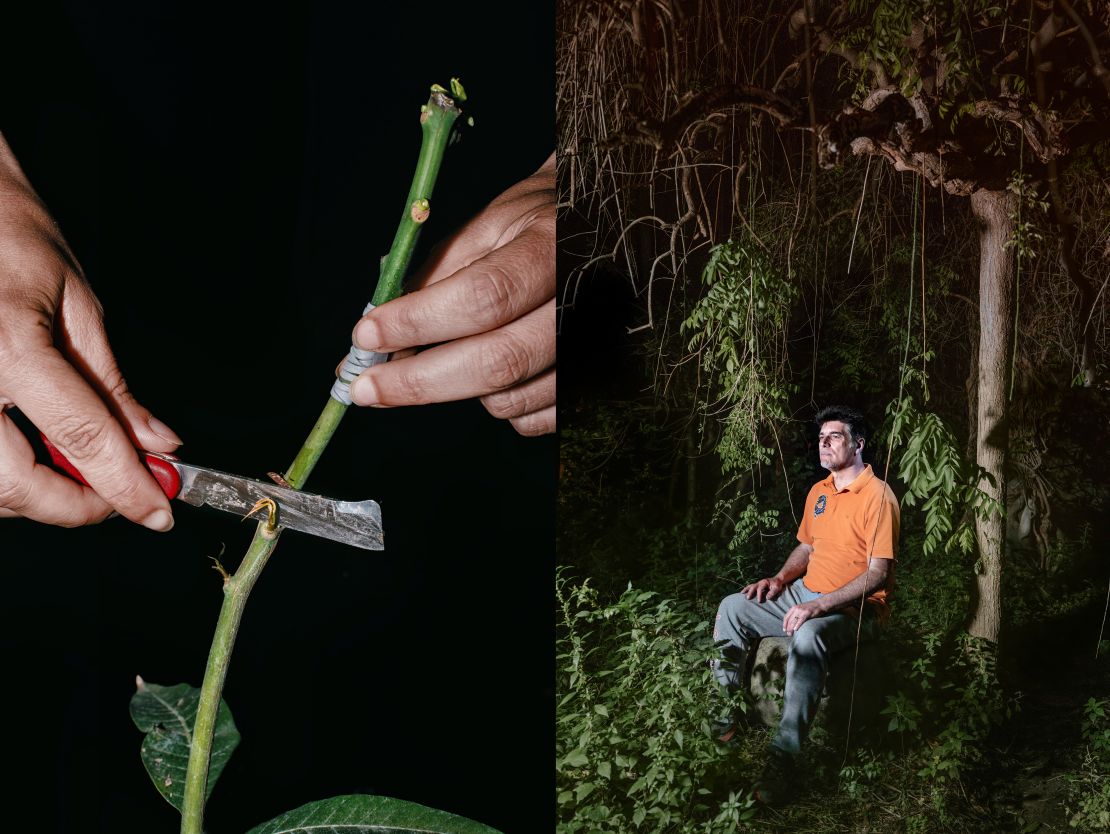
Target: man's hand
x,y
57,367
764,589
487,301
798,614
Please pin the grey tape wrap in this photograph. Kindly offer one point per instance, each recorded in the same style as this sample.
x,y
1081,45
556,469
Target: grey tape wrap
x,y
357,361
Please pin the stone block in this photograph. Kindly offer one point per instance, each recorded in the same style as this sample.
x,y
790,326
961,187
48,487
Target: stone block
x,y
767,673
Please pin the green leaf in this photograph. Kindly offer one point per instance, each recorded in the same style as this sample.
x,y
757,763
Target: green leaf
x,y
361,814
166,715
577,758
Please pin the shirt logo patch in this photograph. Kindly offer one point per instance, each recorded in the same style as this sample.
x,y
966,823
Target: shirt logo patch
x,y
819,507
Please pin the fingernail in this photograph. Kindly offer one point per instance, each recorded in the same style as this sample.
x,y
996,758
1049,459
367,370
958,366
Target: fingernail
x,y
163,431
363,391
366,335
160,521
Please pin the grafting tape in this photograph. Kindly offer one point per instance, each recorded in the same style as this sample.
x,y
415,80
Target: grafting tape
x,y
357,361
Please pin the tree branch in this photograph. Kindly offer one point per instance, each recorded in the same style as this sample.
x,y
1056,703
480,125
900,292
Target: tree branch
x,y
661,135
1100,71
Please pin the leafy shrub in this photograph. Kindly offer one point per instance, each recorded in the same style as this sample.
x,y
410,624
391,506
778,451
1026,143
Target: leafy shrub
x,y
1089,794
634,750
943,718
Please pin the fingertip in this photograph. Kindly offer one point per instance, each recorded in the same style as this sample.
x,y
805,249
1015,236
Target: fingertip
x,y
367,335
147,431
160,521
535,424
163,431
364,392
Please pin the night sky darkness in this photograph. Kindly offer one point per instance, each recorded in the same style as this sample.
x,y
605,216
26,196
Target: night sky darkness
x,y
229,180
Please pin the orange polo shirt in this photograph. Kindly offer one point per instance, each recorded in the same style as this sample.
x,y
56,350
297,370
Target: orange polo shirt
x,y
845,527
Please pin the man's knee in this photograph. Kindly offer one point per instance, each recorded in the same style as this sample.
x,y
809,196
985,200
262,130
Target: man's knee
x,y
809,639
733,604
729,611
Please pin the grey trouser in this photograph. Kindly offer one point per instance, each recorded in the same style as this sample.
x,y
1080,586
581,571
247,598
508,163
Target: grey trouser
x,y
742,621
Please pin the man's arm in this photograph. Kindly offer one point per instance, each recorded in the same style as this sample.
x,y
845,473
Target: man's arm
x,y
850,593
794,566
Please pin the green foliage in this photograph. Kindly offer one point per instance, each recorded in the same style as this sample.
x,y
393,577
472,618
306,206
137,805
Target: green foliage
x,y
935,472
883,32
866,770
1096,728
360,814
1091,809
1089,789
905,717
747,523
737,330
166,715
951,704
633,745
980,703
1029,220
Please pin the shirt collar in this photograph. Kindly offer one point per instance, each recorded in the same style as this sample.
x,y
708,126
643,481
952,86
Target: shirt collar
x,y
859,483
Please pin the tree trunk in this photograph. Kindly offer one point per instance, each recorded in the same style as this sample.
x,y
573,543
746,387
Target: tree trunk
x,y
691,472
994,210
971,387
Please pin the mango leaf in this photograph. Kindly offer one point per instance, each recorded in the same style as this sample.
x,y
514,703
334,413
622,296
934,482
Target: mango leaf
x,y
362,814
167,715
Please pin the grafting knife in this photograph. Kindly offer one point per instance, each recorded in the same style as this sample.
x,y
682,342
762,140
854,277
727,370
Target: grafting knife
x,y
357,523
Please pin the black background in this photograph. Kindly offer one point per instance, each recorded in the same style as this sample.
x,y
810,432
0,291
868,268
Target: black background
x,y
228,177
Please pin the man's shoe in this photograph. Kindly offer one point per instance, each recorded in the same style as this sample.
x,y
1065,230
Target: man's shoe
x,y
730,726
726,733
777,784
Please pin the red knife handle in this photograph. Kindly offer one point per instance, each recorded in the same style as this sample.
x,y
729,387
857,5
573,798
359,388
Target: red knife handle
x,y
164,472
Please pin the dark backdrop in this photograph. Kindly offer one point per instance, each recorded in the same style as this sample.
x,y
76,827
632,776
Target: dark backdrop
x,y
229,178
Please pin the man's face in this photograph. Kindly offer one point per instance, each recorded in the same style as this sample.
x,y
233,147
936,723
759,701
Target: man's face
x,y
835,446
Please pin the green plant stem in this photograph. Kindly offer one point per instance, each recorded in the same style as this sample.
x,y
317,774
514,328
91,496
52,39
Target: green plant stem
x,y
436,118
314,445
236,591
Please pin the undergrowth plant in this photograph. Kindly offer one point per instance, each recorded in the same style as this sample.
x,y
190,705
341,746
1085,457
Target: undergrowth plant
x,y
190,733
1089,789
634,750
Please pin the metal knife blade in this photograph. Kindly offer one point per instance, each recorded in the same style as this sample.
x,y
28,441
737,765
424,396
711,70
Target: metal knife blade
x,y
358,523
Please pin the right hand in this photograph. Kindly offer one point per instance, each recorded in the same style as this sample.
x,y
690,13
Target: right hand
x,y
486,300
57,368
764,589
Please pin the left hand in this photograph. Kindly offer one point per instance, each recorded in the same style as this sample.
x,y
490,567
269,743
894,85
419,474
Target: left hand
x,y
487,301
798,614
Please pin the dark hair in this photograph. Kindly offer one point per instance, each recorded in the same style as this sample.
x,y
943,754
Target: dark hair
x,y
857,425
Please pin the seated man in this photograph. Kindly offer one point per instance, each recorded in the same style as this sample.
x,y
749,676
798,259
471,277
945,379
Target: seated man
x,y
847,538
